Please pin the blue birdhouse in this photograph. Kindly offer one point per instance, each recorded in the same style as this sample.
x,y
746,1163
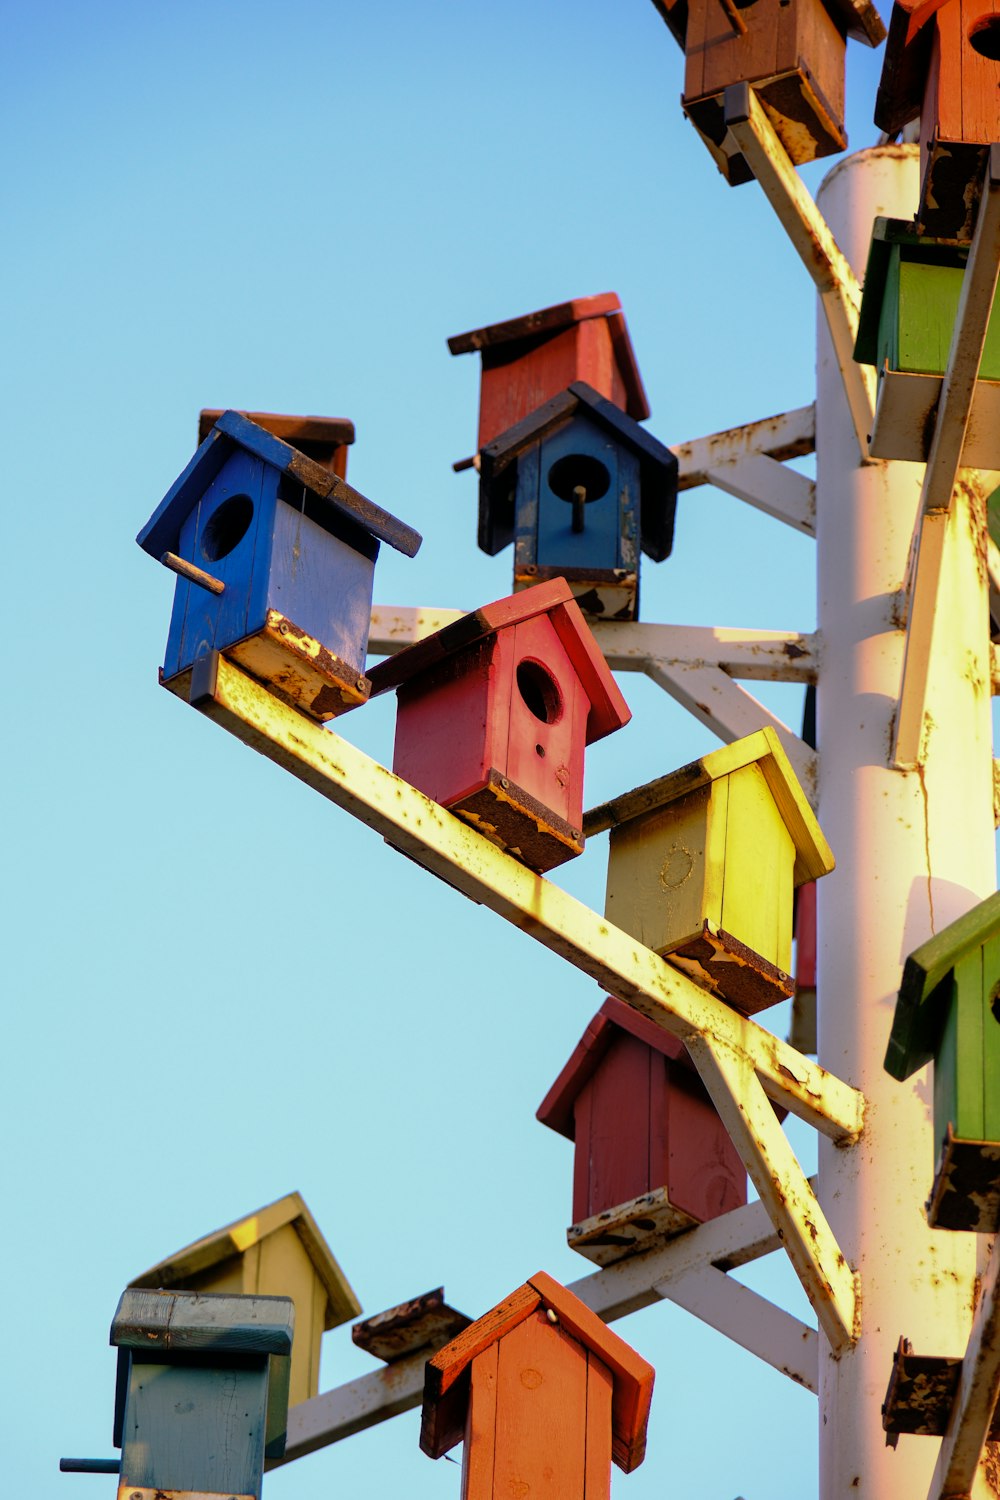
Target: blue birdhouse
x,y
275,557
579,487
202,1396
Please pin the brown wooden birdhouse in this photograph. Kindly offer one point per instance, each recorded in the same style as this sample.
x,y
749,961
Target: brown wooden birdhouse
x,y
703,864
792,52
652,1155
942,63
323,439
544,1395
526,361
276,1252
494,714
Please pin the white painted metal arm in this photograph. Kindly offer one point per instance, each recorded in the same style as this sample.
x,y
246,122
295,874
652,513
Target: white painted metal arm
x,y
466,860
772,487
350,1408
790,434
810,235
729,711
826,1278
976,1397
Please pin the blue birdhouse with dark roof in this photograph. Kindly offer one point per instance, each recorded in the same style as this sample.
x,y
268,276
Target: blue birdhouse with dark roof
x,y
275,557
948,1013
579,488
202,1394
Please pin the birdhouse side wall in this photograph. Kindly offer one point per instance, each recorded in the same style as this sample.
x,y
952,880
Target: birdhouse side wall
x,y
612,1130
445,723
690,1149
521,376
201,621
323,583
917,318
539,1418
758,870
279,1266
664,869
792,50
194,1428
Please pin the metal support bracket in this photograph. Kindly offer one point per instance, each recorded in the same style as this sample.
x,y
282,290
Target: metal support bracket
x,y
826,1278
976,1397
771,487
466,860
790,434
944,461
811,237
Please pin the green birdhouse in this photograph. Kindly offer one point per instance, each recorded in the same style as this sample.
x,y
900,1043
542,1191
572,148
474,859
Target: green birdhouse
x,y
279,1252
911,291
948,1013
703,864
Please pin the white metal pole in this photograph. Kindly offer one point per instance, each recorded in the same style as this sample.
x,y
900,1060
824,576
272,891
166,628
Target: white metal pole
x,y
914,851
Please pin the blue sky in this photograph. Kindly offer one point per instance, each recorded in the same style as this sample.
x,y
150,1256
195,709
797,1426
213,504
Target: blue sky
x,y
220,987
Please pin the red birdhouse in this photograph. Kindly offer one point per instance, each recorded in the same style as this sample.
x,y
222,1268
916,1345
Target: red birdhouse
x,y
495,712
942,62
652,1155
792,52
544,1395
528,360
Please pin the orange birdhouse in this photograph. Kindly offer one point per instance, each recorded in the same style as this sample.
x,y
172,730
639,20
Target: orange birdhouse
x,y
942,62
527,361
494,714
652,1155
544,1395
792,52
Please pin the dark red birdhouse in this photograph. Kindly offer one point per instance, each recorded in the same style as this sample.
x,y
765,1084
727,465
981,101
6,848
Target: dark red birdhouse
x,y
527,361
802,1033
544,1395
323,439
942,63
792,52
494,714
652,1155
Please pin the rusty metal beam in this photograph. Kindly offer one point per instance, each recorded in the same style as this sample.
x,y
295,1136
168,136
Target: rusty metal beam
x,y
826,1278
466,860
836,283
790,434
771,487
976,1398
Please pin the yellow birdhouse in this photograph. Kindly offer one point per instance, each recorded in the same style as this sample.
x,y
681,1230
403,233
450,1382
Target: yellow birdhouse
x,y
276,1252
703,864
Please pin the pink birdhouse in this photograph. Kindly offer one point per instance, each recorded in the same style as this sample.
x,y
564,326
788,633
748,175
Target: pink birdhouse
x,y
652,1155
544,1395
495,712
527,361
942,63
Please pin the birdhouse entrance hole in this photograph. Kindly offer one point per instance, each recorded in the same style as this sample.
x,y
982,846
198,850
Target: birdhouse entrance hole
x,y
578,471
227,527
539,691
984,38
995,1002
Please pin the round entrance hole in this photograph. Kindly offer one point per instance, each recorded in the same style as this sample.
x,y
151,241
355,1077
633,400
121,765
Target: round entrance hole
x,y
984,37
539,692
575,471
227,527
995,1002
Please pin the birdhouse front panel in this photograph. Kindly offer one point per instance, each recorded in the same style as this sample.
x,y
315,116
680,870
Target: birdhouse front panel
x,y
539,1418
498,736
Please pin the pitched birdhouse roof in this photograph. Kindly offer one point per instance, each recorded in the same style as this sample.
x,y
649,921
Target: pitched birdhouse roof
x,y
446,1392
813,856
614,1016
906,64
237,1238
332,497
657,465
535,327
318,438
608,709
856,18
923,1000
